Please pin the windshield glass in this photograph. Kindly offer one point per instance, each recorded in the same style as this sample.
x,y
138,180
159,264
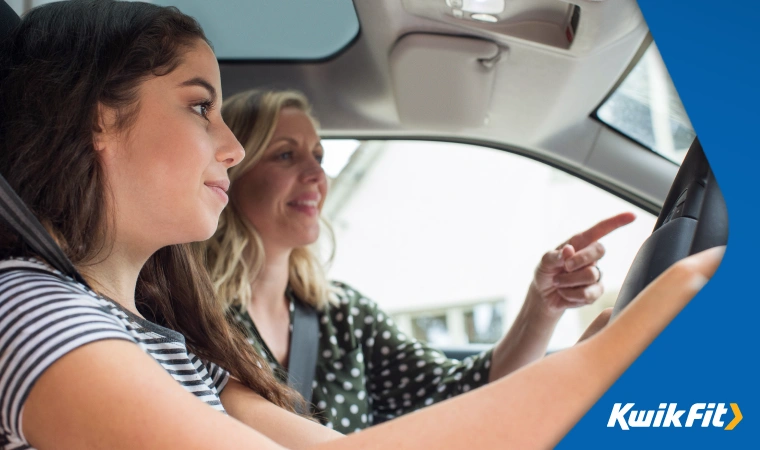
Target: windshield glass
x,y
646,108
264,29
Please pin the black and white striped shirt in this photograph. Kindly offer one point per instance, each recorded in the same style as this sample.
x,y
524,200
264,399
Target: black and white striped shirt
x,y
45,314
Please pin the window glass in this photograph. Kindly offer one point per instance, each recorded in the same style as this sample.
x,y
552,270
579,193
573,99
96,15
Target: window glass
x,y
646,108
264,29
445,237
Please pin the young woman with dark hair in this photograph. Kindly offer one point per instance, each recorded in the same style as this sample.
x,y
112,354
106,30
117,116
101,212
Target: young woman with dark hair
x,y
111,133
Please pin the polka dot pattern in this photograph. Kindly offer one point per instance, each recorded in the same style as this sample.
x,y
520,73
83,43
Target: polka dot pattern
x,y
368,371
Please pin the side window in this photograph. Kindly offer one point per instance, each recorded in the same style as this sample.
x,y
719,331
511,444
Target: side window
x,y
445,237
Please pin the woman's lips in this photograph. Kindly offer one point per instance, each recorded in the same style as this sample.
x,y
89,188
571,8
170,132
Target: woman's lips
x,y
309,207
219,191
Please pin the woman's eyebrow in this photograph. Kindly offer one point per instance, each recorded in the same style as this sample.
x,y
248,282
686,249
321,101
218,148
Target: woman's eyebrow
x,y
198,81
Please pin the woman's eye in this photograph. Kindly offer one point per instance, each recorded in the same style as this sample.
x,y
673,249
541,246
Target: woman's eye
x,y
202,109
285,155
319,157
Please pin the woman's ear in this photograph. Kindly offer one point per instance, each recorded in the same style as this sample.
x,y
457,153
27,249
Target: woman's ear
x,y
103,127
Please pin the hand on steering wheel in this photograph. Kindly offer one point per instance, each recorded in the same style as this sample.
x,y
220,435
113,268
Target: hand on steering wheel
x,y
568,276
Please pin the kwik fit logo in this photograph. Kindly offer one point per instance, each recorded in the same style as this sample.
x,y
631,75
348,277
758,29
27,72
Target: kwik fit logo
x,y
669,415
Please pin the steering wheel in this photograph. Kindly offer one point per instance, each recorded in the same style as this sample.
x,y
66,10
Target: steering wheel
x,y
693,218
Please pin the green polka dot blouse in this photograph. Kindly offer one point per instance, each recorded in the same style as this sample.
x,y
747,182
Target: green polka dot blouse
x,y
368,371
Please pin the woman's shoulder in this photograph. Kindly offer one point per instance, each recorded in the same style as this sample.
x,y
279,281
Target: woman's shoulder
x,y
345,297
33,295
22,277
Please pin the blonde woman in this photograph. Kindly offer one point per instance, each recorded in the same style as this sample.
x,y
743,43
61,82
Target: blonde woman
x,y
368,371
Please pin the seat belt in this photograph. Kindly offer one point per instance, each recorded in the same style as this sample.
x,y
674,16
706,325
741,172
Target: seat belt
x,y
17,215
304,345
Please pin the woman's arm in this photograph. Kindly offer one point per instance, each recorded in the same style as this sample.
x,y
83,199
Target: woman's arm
x,y
529,409
285,428
109,394
565,278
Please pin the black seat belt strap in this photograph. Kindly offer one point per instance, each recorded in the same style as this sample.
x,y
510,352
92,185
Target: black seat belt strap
x,y
18,216
304,345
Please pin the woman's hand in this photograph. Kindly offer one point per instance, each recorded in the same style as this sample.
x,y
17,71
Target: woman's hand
x,y
568,277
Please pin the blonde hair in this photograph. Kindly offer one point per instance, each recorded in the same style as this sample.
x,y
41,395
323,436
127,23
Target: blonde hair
x,y
235,254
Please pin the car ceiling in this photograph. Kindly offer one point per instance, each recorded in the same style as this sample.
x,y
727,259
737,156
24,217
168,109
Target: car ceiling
x,y
413,71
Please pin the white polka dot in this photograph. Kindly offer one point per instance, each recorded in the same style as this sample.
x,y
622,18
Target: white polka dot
x,y
406,396
364,418
385,373
466,388
330,377
350,320
407,403
458,376
333,340
441,388
380,317
369,319
385,350
356,430
401,346
488,364
428,401
452,370
389,322
437,371
388,384
345,422
363,301
361,395
355,310
419,352
354,409
358,333
420,363
314,384
347,336
339,317
402,368
386,334
322,404
370,342
324,320
329,425
401,337
401,355
339,399
404,380
355,372
338,365
420,377
334,411
326,354
421,392
347,385
324,390
476,377
360,357
436,380
417,345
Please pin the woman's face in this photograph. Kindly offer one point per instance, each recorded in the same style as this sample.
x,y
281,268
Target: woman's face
x,y
282,195
168,171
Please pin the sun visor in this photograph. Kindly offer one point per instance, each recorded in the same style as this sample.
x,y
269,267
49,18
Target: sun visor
x,y
443,82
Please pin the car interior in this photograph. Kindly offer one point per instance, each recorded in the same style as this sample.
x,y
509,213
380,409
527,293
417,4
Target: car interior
x,y
525,76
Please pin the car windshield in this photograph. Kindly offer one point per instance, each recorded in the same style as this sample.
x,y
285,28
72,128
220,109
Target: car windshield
x,y
294,29
646,108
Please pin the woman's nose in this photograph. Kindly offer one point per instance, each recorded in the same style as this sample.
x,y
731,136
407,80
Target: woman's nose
x,y
229,152
313,172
